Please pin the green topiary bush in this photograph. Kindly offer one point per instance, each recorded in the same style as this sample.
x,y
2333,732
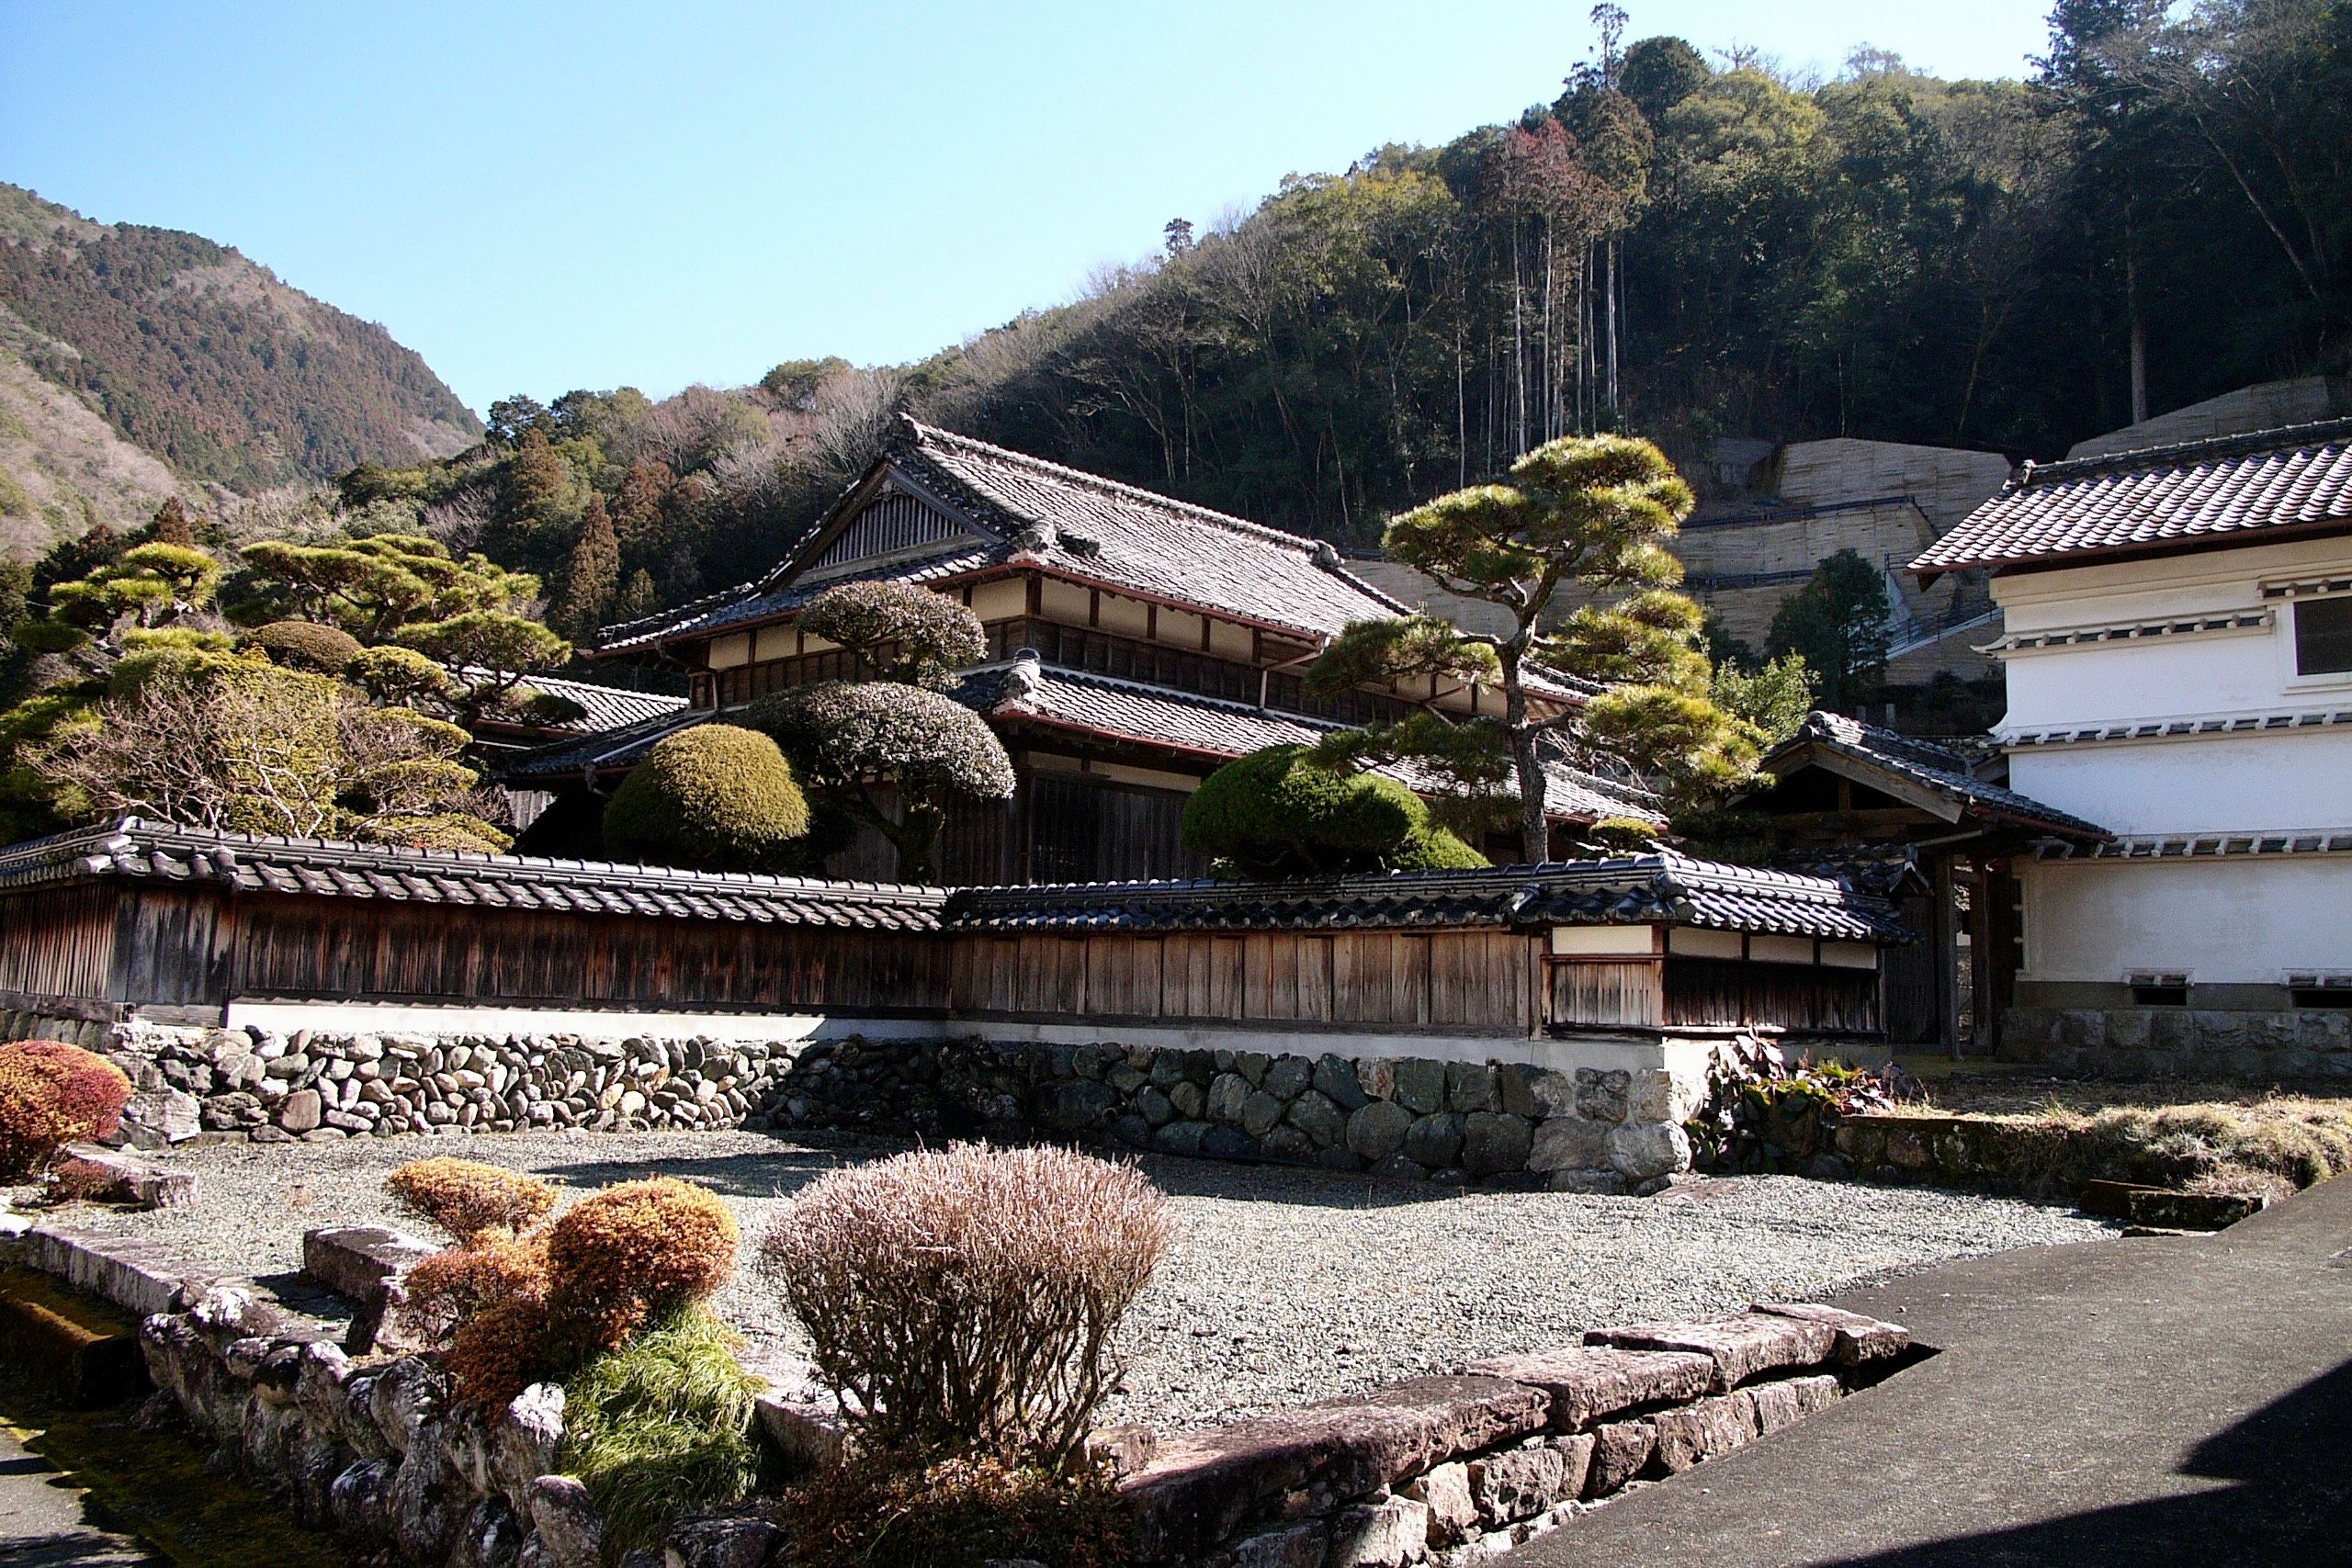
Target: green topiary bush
x,y
1432,848
1623,835
711,798
1280,813
305,645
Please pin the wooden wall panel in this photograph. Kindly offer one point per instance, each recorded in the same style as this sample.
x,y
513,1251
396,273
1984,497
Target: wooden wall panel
x,y
59,942
1602,993
304,949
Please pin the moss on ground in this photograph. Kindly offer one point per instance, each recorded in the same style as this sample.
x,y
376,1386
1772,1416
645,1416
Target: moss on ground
x,y
156,1485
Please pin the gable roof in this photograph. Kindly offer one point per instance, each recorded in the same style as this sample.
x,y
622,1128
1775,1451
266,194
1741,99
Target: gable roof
x,y
1028,512
2197,495
1905,765
1662,886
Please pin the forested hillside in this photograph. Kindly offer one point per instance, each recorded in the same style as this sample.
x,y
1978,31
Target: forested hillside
x,y
1683,246
193,355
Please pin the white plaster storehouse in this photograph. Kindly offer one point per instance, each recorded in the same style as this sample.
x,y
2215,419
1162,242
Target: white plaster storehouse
x,y
2178,652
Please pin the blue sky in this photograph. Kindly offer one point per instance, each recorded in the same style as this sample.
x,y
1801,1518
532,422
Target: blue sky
x,y
539,197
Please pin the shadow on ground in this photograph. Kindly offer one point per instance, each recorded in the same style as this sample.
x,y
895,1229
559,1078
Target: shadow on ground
x,y
798,1159
2291,1502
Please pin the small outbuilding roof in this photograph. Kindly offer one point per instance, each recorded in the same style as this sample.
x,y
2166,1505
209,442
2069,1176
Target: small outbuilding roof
x,y
1905,765
2197,495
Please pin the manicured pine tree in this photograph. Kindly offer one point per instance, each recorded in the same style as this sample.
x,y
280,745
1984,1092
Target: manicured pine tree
x,y
1594,512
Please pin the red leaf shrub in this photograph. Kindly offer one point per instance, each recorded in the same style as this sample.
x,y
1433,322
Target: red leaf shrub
x,y
449,1289
52,1094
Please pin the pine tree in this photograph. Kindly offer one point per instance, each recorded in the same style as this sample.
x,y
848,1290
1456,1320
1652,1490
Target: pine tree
x,y
592,579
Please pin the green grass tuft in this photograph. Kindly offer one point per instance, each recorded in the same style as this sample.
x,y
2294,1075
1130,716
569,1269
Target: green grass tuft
x,y
661,1425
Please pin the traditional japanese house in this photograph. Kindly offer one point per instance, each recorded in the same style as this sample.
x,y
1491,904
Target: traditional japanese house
x,y
1135,644
2179,661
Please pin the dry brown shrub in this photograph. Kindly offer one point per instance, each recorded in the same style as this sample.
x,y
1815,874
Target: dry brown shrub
x,y
633,1252
52,1094
956,1513
449,1289
505,1349
965,1301
467,1198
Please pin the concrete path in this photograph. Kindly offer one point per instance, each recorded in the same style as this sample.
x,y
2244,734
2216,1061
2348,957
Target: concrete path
x,y
2148,1400
43,1522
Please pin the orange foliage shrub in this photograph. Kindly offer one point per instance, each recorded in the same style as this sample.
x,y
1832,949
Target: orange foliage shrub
x,y
505,1349
519,1309
467,1198
52,1094
635,1251
450,1287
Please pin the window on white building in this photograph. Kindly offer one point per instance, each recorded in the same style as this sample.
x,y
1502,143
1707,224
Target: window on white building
x,y
2323,636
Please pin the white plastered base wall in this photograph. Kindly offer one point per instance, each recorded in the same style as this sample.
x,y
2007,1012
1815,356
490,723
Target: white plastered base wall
x,y
2226,920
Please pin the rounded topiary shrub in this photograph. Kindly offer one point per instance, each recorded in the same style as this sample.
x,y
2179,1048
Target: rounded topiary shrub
x,y
711,798
305,645
634,1252
1280,813
1623,835
52,1094
468,1198
1432,848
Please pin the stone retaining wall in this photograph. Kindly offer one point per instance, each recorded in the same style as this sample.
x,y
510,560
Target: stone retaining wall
x,y
1509,1124
1458,1469
1448,1469
2182,1043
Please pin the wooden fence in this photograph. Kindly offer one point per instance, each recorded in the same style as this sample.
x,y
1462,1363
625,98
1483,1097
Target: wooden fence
x,y
180,954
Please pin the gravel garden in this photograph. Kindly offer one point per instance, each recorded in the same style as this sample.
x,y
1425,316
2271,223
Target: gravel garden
x,y
1281,1285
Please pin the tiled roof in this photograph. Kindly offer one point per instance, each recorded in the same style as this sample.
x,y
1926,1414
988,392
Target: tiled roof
x,y
1105,707
623,747
1940,770
149,852
2206,846
2166,728
1157,715
750,603
1662,886
1131,537
2196,495
1074,525
604,707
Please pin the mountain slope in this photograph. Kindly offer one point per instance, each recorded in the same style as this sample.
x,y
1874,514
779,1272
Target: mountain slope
x,y
199,358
